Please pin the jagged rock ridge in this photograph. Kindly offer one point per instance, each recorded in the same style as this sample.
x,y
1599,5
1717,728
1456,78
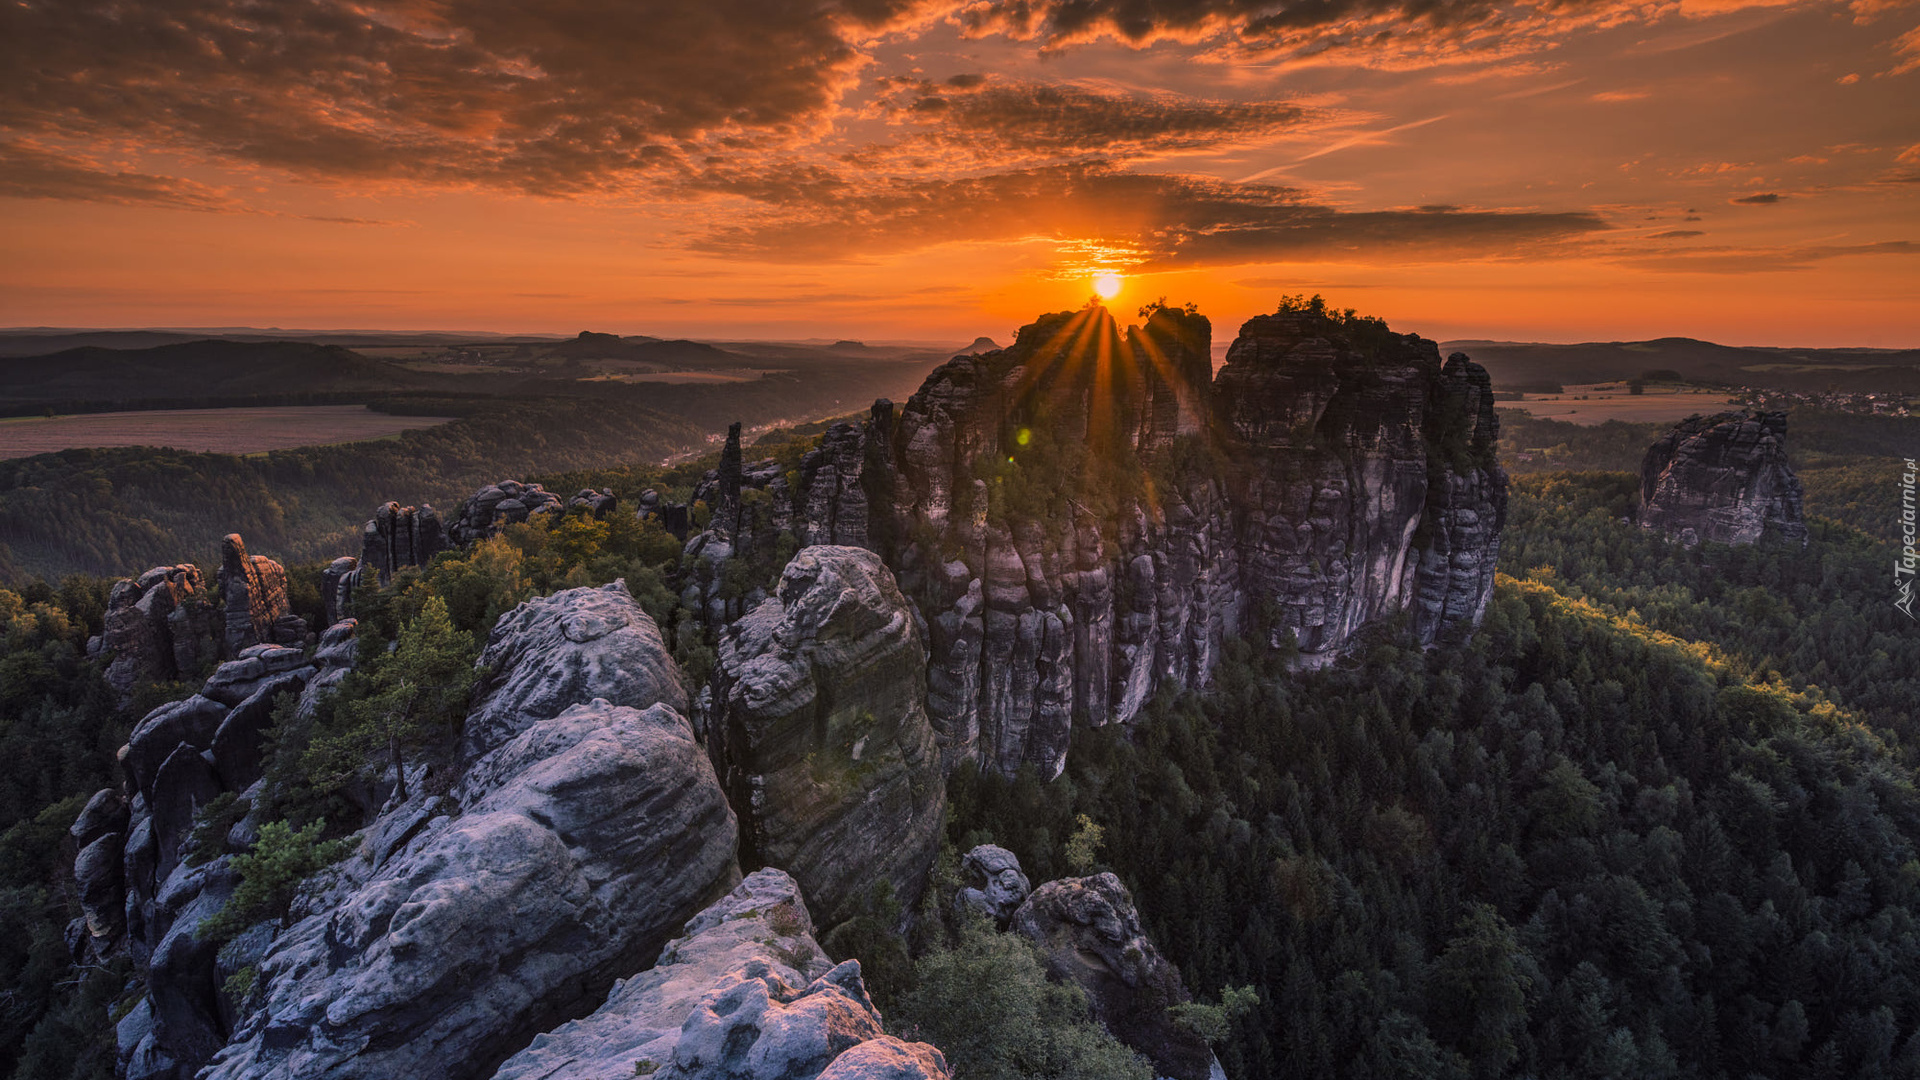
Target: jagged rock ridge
x,y
1086,515
1723,478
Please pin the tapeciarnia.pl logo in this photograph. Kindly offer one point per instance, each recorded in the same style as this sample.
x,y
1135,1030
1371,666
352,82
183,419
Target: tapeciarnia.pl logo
x,y
1909,560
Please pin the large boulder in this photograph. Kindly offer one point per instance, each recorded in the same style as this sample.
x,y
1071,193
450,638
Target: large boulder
x,y
257,611
1723,478
821,736
744,992
581,844
992,883
159,627
573,646
1090,934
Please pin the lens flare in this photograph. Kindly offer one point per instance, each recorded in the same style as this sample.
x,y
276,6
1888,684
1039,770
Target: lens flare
x,y
1107,285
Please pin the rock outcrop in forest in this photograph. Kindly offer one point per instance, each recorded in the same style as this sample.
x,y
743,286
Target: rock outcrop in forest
x,y
1723,478
1086,515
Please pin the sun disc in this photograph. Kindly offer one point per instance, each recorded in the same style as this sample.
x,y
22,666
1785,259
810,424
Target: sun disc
x,y
1107,285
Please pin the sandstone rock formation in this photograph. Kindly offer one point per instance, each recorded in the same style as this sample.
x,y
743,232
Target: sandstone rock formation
x,y
599,502
336,587
1090,933
256,600
1723,478
398,536
496,506
744,991
994,887
580,845
137,889
574,646
1087,514
159,627
820,735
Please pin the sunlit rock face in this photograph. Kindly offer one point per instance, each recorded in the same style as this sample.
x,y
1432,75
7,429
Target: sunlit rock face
x,y
1723,478
1087,514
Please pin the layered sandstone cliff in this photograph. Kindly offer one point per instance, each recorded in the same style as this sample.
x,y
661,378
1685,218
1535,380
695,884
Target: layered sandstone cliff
x,y
1087,514
1723,478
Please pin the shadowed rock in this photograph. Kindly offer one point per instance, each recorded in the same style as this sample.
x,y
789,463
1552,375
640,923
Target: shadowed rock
x,y
1723,478
1090,934
159,627
994,885
820,735
1332,474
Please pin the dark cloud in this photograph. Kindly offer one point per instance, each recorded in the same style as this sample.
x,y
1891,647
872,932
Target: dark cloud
x,y
1767,199
1146,221
28,171
1727,260
1677,234
1417,31
553,97
1030,119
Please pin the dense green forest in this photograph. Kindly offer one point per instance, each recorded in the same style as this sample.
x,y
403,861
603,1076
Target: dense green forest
x,y
1849,463
1655,817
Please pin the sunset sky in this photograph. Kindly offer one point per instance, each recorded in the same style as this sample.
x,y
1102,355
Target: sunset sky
x,y
919,169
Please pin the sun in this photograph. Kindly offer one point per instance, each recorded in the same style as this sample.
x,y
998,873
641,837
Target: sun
x,y
1107,285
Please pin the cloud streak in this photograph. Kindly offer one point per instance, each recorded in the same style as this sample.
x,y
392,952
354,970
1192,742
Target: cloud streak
x,y
1142,222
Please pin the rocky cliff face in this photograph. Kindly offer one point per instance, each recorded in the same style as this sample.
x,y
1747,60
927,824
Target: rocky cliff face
x,y
255,588
1090,934
562,861
1085,515
140,890
820,733
1723,478
744,991
159,626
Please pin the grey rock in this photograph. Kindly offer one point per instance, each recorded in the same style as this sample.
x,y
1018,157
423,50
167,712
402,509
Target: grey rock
x,y
1090,933
336,587
158,627
763,921
1723,478
1351,479
582,843
820,736
104,813
552,652
757,1025
99,872
496,506
888,1058
397,537
181,978
184,784
239,744
994,885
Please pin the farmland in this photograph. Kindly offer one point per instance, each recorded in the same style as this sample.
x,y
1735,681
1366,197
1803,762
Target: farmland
x,y
1599,402
225,431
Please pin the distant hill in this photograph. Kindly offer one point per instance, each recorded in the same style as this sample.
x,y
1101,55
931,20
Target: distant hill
x,y
680,353
1850,370
201,369
43,341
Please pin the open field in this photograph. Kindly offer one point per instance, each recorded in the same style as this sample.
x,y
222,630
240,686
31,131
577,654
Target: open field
x,y
1598,403
224,431
736,375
